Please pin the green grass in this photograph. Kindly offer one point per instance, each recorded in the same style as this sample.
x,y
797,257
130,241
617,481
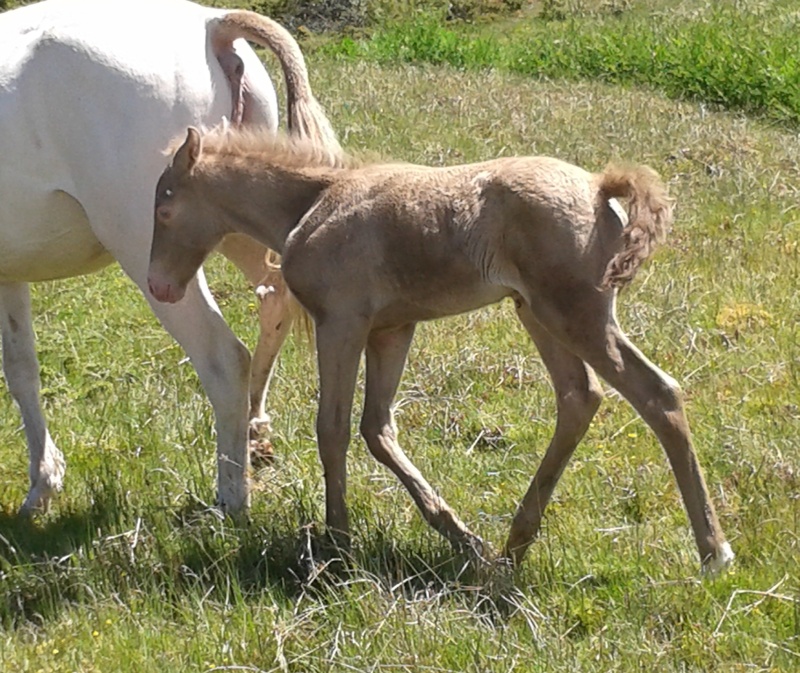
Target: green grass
x,y
738,55
131,572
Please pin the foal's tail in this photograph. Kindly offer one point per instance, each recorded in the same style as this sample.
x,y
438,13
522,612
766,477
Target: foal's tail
x,y
649,218
306,118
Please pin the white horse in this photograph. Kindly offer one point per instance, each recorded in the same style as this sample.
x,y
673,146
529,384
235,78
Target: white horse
x,y
91,91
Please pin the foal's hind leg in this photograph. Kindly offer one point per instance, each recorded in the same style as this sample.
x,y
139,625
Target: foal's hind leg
x,y
587,327
386,358
21,369
578,395
659,400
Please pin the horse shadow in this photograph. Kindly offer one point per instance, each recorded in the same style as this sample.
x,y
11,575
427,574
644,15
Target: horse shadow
x,y
50,563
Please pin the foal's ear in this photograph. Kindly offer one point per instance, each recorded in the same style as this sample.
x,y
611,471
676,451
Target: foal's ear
x,y
188,153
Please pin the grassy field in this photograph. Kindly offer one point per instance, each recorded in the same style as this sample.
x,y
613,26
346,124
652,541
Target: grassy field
x,y
742,55
133,572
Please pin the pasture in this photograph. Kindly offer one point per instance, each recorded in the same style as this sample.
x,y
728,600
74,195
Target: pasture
x,y
131,571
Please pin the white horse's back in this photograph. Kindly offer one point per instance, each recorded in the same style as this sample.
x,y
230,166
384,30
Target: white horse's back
x,y
90,92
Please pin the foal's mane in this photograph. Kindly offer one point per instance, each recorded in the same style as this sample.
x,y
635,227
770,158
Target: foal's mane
x,y
263,146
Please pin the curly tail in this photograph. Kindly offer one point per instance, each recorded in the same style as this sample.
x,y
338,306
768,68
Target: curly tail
x,y
649,218
306,118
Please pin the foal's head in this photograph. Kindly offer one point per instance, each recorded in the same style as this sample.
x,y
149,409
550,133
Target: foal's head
x,y
189,218
186,225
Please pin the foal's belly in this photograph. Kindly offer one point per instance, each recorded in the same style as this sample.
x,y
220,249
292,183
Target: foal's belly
x,y
45,235
430,305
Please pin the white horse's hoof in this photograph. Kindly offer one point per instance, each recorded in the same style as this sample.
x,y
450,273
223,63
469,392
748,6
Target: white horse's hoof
x,y
720,562
39,497
47,484
261,450
260,426
234,497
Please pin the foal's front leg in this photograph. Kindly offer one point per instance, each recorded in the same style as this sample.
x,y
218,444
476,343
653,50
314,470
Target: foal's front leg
x,y
659,400
386,357
340,343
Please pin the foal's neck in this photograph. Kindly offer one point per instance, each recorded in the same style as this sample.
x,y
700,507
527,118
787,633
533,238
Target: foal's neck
x,y
265,201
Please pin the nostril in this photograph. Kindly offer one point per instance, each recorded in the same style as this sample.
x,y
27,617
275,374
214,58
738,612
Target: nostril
x,y
157,289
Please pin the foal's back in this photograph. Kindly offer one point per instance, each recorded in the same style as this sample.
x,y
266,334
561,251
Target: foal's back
x,y
403,243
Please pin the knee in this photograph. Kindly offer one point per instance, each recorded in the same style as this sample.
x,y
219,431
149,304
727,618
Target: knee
x,y
333,438
225,375
593,395
369,426
235,363
664,410
22,373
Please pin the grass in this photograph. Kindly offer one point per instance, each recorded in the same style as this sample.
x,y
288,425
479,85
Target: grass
x,y
738,55
131,571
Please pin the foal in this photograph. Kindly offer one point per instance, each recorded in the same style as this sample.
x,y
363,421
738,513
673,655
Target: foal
x,y
370,250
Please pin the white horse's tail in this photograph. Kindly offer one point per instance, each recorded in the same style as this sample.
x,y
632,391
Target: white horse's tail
x,y
649,218
306,118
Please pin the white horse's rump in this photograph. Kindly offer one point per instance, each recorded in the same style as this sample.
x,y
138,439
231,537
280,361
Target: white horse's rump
x,y
91,91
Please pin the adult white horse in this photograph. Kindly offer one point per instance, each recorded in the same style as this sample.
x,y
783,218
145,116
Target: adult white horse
x,y
91,91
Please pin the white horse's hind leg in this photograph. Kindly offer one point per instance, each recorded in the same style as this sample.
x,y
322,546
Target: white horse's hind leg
x,y
275,320
223,364
21,369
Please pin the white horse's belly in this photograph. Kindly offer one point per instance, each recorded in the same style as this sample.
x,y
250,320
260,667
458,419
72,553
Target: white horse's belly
x,y
49,237
86,109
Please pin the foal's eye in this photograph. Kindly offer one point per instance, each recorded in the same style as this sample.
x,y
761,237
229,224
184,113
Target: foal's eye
x,y
168,193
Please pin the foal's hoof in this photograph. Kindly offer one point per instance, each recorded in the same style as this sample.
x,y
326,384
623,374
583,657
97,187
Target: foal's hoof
x,y
320,555
477,549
